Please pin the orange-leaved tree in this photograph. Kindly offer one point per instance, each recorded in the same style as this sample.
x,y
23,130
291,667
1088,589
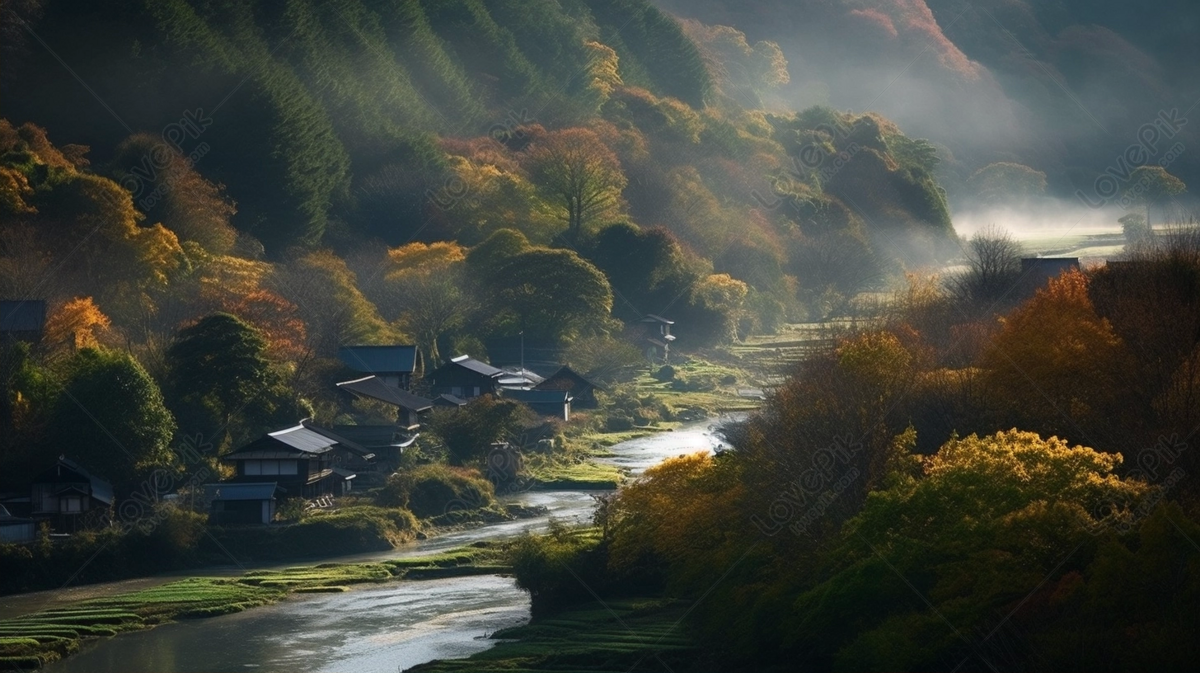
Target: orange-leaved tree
x,y
576,169
1056,366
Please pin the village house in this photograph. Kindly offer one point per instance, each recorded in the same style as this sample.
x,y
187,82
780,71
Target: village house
x,y
298,460
582,391
22,320
519,378
393,365
464,377
386,442
70,497
409,407
554,403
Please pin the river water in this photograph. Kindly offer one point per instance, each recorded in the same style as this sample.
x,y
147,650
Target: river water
x,y
374,629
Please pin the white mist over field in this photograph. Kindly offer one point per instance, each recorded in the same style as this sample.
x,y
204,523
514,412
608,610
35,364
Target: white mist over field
x,y
1050,227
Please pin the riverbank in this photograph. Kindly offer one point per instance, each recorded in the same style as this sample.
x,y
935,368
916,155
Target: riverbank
x,y
36,639
615,635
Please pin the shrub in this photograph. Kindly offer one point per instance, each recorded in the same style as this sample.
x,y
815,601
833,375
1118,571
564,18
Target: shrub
x,y
433,490
664,373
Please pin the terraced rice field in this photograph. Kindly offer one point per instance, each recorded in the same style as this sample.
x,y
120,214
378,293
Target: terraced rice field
x,y
35,639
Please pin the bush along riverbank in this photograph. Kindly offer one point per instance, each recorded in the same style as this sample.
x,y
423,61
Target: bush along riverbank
x,y
35,639
586,618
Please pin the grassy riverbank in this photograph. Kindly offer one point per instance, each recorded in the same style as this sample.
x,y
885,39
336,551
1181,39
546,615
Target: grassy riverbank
x,y
35,639
617,635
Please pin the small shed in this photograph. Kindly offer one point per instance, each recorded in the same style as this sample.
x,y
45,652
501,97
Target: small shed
x,y
660,337
22,320
394,365
16,530
582,390
242,503
545,402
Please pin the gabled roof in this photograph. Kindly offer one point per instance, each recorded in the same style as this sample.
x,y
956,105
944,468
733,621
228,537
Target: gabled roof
x,y
468,362
67,470
539,396
650,317
370,436
27,315
448,400
242,491
374,388
567,379
517,377
294,442
379,359
341,441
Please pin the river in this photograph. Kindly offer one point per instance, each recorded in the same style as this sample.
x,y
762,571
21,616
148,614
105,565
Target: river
x,y
380,628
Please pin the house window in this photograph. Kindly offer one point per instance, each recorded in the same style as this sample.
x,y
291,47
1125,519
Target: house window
x,y
70,505
456,391
252,467
476,391
287,467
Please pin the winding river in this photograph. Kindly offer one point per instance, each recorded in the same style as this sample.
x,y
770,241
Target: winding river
x,y
374,629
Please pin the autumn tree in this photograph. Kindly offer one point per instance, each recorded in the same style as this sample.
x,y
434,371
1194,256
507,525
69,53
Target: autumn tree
x,y
169,189
427,287
76,324
325,292
575,168
1056,366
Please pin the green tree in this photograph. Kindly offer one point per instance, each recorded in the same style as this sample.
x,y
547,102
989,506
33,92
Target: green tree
x,y
217,366
1152,186
1004,182
469,431
111,417
554,293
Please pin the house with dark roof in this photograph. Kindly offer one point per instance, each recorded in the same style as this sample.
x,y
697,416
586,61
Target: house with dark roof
x,y
347,455
22,320
16,530
386,442
660,336
408,406
464,377
556,403
519,377
394,365
299,460
582,390
242,503
69,496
